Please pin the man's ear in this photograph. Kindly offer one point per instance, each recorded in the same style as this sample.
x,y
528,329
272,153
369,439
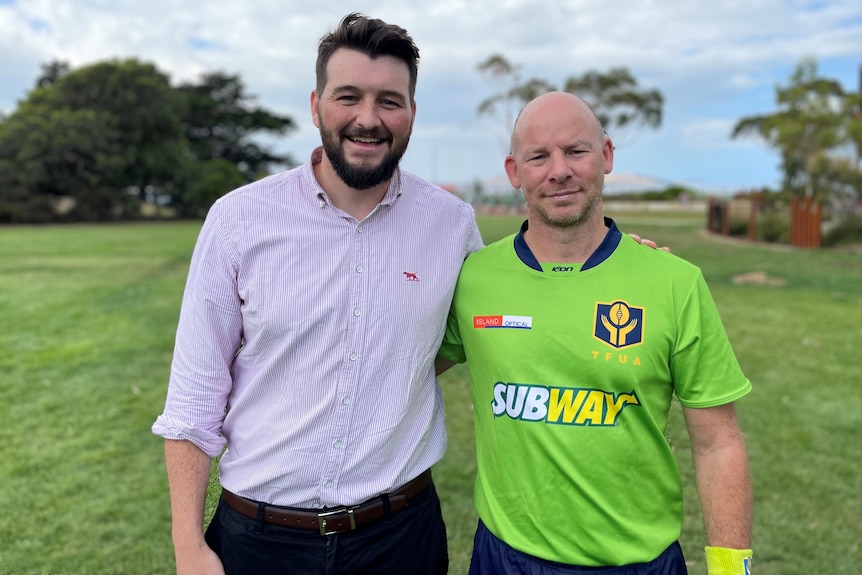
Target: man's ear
x,y
511,167
314,108
608,155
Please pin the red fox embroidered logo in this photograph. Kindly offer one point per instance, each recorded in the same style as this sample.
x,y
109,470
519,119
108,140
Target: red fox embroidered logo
x,y
411,277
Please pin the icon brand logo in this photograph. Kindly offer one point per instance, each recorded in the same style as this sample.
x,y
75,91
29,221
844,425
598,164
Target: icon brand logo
x,y
618,324
411,277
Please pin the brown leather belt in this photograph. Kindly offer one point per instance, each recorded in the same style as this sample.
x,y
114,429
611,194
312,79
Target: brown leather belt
x,y
335,520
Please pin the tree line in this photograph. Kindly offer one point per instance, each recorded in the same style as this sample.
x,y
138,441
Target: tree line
x,y
816,129
98,142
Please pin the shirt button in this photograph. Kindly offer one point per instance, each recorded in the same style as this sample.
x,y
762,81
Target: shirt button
x,y
328,484
359,269
346,401
359,229
336,444
352,357
316,505
356,312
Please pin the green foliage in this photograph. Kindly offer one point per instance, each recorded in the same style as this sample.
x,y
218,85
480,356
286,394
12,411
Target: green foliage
x,y
104,138
669,193
737,227
212,179
848,231
615,96
773,227
220,118
90,135
816,122
89,314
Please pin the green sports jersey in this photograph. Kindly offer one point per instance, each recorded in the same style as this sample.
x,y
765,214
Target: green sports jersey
x,y
573,369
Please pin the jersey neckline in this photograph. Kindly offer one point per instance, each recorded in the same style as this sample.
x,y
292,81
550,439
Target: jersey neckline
x,y
601,253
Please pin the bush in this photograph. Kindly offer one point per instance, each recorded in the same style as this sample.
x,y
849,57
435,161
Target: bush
x,y
848,231
737,227
35,210
773,227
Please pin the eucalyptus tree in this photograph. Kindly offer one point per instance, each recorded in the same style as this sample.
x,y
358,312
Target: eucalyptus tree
x,y
817,130
621,105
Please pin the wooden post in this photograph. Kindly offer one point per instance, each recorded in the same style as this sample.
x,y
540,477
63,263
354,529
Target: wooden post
x,y
752,216
794,221
805,223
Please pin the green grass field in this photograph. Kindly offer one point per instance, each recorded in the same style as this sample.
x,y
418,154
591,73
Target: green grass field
x,y
88,319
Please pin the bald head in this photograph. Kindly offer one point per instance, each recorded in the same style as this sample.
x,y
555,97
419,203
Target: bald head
x,y
549,109
559,159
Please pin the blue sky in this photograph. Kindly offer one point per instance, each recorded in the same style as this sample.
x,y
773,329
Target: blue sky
x,y
715,62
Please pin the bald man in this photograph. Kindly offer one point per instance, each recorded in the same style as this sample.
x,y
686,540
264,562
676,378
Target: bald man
x,y
577,340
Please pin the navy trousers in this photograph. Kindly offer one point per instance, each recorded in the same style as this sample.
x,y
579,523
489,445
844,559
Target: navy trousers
x,y
412,541
491,556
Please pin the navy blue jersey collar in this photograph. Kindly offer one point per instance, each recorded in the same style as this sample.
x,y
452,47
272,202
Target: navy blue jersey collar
x,y
603,252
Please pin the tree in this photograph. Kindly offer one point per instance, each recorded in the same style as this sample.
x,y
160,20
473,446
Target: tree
x,y
614,96
93,135
818,132
513,93
51,72
617,101
106,137
208,181
220,120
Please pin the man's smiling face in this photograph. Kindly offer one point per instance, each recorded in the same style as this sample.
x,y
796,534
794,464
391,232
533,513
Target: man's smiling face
x,y
365,116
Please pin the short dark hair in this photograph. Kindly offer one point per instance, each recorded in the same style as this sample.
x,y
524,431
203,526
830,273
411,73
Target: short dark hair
x,y
371,37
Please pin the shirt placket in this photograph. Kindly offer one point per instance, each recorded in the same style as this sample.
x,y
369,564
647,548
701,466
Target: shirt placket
x,y
348,382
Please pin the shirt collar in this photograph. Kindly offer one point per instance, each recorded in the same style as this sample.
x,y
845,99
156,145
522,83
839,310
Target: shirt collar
x,y
601,253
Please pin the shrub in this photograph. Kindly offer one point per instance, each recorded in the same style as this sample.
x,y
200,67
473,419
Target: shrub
x,y
848,231
773,227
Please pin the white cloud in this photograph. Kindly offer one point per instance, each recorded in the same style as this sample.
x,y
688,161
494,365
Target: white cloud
x,y
711,134
710,59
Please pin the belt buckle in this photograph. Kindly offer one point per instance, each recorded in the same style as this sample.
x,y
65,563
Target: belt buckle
x,y
321,520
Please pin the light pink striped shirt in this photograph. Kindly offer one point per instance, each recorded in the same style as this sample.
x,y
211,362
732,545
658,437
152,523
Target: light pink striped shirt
x,y
307,339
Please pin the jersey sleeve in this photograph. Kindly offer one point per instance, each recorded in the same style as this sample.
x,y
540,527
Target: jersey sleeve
x,y
704,368
452,347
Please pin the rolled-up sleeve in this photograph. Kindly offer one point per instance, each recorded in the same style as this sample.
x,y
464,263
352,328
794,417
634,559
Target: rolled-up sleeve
x,y
208,337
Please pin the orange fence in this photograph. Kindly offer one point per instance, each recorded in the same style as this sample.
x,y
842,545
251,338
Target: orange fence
x,y
805,216
804,223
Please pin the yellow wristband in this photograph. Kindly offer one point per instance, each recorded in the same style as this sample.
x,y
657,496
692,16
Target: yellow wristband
x,y
726,561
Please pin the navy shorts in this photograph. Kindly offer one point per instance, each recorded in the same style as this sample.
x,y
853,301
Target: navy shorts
x,y
491,556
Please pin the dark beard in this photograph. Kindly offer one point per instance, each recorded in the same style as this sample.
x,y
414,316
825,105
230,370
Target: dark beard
x,y
360,177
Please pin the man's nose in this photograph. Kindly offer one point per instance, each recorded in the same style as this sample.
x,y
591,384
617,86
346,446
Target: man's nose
x,y
559,169
366,114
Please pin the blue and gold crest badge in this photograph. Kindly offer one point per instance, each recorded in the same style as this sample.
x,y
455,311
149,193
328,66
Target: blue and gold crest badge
x,y
618,324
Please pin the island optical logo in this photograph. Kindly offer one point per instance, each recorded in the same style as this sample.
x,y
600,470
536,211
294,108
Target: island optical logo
x,y
502,322
618,324
560,405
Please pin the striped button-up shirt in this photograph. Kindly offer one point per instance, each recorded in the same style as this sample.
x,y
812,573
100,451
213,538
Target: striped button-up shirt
x,y
306,340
